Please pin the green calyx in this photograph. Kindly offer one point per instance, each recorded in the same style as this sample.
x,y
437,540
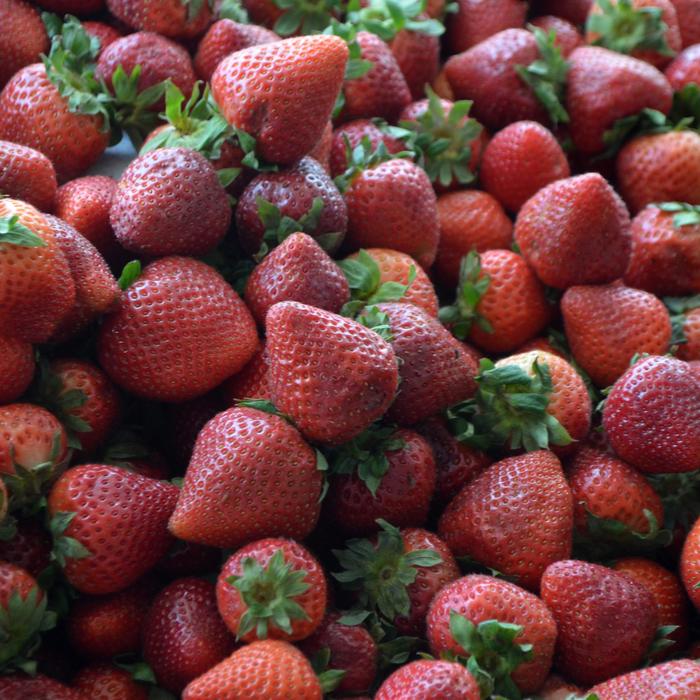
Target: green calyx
x,y
662,640
194,7
233,10
547,75
380,574
363,157
683,214
509,409
364,279
378,321
679,307
623,28
648,121
680,495
269,594
329,678
65,547
493,653
472,286
386,18
305,16
12,232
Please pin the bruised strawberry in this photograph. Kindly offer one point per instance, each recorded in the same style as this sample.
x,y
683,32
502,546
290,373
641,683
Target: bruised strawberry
x,y
173,18
107,682
16,368
679,679
477,20
249,383
28,175
429,679
567,37
351,134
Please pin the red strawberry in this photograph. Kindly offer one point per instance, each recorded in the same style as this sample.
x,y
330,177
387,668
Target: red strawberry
x,y
429,680
267,670
684,69
688,21
249,383
691,330
28,175
355,132
180,330
690,564
418,57
104,33
516,517
287,111
107,682
575,231
112,525
567,36
321,152
183,635
29,548
26,687
22,22
349,372
482,603
227,499
593,606
604,86
652,416
532,159
477,20
675,679
272,588
172,18
16,368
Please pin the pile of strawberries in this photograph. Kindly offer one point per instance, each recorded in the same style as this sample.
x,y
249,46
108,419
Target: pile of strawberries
x,y
376,374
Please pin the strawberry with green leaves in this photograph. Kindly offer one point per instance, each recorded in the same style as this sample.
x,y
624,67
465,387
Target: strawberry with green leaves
x,y
430,679
351,134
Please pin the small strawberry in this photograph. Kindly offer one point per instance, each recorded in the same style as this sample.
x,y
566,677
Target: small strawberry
x,y
684,69
227,500
29,548
23,687
351,134
22,22
249,383
675,679
183,635
592,606
107,682
180,19
690,564
28,175
16,368
429,680
567,36
477,20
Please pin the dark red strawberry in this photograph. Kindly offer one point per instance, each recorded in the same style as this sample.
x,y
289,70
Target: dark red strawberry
x,y
567,37
429,680
16,368
574,11
172,18
107,682
28,175
22,22
29,548
355,132
189,559
27,688
477,20
418,56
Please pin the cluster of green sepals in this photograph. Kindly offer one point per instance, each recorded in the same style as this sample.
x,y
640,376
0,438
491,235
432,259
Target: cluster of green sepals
x,y
364,157
679,307
14,232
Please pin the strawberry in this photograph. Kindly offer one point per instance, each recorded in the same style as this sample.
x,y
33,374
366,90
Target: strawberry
x,y
675,679
354,377
22,22
29,548
201,334
153,215
530,155
605,86
574,11
28,175
607,325
500,302
660,168
304,193
665,256
684,69
690,564
508,633
272,588
104,33
690,350
688,21
503,500
249,383
383,473
183,635
567,36
652,416
469,220
557,688
352,134
266,670
107,682
16,368
669,596
221,502
24,687
305,75
575,231
37,289
172,18
592,606
477,20
321,152
429,680
418,57
110,525
350,650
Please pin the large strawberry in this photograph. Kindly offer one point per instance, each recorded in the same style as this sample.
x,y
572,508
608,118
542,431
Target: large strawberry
x,y
179,331
428,680
110,525
28,175
227,499
593,605
22,22
516,517
333,376
287,111
675,679
477,20
16,368
107,682
180,19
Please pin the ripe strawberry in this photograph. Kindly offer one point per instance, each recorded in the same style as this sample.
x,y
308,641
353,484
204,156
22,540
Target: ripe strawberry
x,y
180,331
272,588
492,518
592,606
469,220
107,682
575,231
227,499
660,168
691,330
418,57
604,86
481,606
104,33
152,214
350,649
354,376
249,383
37,289
532,159
22,22
16,368
556,688
690,564
574,11
567,36
684,69
24,687
668,594
321,152
688,21
111,525
304,193
267,670
172,18
355,132
28,175
477,20
675,679
287,111
183,635
429,680
29,548
384,474
652,416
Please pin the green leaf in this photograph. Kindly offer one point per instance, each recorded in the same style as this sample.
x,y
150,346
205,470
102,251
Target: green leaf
x,y
386,18
684,214
65,547
685,112
130,273
648,121
13,232
234,10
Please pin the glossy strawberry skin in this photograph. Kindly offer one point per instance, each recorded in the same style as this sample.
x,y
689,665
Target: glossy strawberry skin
x,y
429,680
230,496
22,22
652,416
355,131
27,174
476,20
167,17
16,368
107,682
249,383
